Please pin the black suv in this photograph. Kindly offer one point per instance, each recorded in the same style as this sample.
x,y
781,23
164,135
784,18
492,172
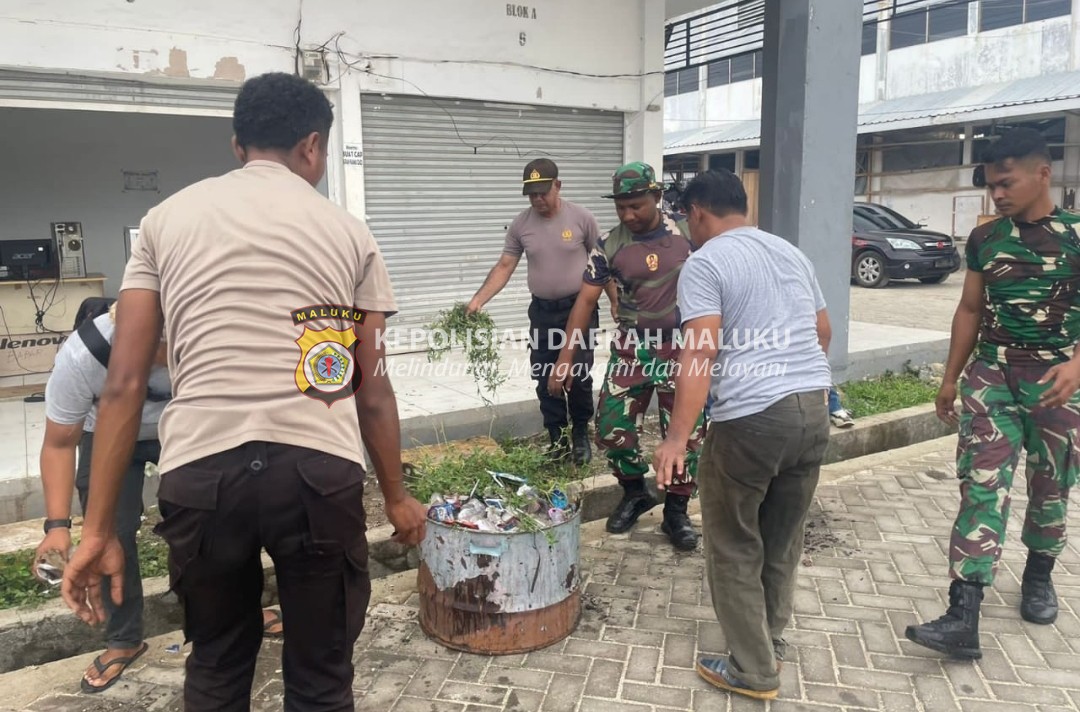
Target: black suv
x,y
886,245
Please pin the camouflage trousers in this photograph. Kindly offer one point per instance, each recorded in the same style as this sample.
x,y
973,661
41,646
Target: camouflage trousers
x,y
1000,417
633,375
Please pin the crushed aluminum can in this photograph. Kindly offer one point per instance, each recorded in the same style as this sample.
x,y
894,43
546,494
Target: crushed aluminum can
x,y
49,567
500,476
442,512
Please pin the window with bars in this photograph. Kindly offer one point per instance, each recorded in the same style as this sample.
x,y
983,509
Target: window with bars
x,y
929,24
996,14
735,69
869,38
681,81
734,27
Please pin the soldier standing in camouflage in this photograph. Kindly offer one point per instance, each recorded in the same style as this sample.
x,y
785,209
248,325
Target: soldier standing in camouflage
x,y
1020,315
644,256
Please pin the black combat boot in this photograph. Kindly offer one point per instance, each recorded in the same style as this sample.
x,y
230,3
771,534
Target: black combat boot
x,y
636,501
957,632
677,523
582,446
1039,602
559,450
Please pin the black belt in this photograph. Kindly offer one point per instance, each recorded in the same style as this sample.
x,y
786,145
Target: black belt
x,y
555,304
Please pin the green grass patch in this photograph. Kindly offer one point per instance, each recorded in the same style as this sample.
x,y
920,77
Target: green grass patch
x,y
19,588
886,393
463,472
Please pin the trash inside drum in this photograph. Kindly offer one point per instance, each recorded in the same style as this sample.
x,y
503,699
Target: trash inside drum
x,y
499,593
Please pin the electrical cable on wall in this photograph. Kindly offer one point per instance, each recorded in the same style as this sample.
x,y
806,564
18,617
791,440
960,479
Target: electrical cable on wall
x,y
14,352
41,310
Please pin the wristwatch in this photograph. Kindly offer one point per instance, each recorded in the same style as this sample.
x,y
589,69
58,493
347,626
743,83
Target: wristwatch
x,y
56,524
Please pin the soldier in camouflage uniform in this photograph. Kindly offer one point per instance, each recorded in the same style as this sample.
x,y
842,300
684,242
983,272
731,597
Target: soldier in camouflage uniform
x,y
1020,315
644,256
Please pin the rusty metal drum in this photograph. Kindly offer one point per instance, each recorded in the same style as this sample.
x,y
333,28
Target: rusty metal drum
x,y
499,593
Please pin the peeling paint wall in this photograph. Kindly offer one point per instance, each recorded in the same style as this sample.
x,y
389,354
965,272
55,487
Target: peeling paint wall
x,y
985,58
469,48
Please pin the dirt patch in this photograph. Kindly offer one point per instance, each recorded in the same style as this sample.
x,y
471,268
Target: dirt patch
x,y
820,539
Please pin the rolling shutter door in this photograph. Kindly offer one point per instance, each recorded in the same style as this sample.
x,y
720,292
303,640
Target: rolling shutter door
x,y
443,182
40,89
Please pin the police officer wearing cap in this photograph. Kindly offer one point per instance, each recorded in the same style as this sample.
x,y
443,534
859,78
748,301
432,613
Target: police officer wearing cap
x,y
556,236
644,255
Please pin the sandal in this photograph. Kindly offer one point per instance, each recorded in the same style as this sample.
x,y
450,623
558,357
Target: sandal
x,y
102,667
276,620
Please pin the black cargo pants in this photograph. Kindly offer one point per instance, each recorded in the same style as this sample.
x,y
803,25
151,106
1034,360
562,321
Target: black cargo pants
x,y
547,324
305,508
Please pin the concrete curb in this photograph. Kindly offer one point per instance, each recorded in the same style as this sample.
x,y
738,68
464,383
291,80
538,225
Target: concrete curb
x,y
51,632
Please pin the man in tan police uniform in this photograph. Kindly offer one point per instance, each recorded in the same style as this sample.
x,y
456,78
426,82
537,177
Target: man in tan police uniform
x,y
272,299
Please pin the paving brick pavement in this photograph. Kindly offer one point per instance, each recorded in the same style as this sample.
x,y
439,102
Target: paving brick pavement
x,y
875,562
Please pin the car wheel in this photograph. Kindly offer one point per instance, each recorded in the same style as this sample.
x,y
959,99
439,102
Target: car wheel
x,y
869,270
934,280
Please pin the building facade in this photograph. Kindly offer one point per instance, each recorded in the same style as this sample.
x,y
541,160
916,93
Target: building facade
x,y
109,107
938,79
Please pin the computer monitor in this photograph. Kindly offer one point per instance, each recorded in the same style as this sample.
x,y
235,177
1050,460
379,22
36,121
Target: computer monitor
x,y
25,258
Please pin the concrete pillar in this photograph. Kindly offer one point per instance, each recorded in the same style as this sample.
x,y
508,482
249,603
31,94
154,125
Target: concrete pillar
x,y
969,156
644,138
810,97
347,178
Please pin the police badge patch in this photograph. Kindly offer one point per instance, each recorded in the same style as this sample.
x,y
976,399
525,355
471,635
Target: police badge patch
x,y
327,370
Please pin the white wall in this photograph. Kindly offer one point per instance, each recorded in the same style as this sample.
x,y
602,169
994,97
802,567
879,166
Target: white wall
x,y
469,49
67,166
740,101
440,45
1003,55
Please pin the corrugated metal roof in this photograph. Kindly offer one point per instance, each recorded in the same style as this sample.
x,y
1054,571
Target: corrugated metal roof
x,y
954,105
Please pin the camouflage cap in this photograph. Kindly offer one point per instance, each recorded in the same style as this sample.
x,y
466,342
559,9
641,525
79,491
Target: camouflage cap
x,y
633,178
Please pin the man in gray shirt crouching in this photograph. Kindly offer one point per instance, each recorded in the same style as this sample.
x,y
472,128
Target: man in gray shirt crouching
x,y
71,396
756,334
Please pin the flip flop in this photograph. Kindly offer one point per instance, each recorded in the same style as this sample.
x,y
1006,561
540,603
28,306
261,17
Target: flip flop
x,y
102,667
276,620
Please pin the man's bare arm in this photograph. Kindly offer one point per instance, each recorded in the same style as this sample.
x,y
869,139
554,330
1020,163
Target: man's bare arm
x,y
824,330
58,467
965,325
377,412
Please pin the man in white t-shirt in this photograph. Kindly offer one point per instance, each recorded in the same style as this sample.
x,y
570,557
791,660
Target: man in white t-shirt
x,y
71,396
